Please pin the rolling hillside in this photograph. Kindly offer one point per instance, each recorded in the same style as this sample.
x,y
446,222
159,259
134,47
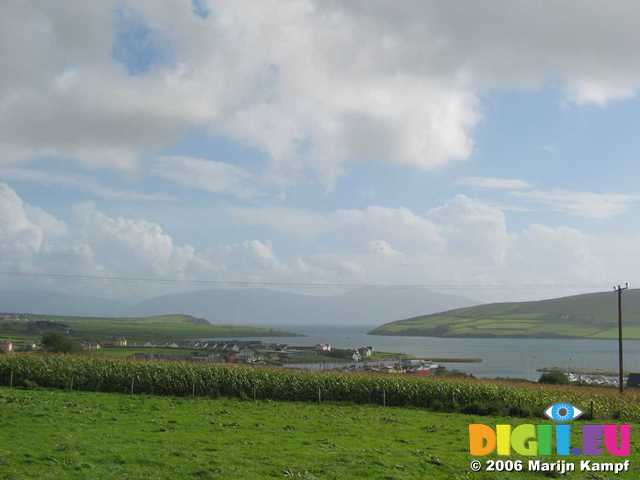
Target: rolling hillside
x,y
591,315
157,327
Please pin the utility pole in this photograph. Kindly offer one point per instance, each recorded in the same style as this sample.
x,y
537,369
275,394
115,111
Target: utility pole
x,y
620,289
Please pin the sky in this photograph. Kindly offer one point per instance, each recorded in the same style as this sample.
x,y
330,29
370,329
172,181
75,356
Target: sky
x,y
488,148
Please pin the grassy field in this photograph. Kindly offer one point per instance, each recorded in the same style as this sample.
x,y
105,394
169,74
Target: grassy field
x,y
128,351
158,327
580,316
49,434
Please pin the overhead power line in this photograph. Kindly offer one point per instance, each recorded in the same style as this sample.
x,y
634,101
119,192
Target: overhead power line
x,y
265,283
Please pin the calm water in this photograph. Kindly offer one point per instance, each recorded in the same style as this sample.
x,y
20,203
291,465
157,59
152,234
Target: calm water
x,y
500,357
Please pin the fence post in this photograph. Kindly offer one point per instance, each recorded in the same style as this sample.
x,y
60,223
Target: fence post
x,y
319,395
71,384
254,392
591,408
11,380
132,385
193,390
384,397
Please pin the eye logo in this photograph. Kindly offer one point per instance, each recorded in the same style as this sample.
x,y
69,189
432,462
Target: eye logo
x,y
563,412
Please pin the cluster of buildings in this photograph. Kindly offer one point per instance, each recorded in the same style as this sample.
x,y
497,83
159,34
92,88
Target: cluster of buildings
x,y
253,352
232,352
421,368
7,346
594,379
113,343
257,352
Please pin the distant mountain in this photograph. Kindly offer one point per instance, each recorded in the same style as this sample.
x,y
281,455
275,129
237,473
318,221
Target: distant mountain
x,y
592,315
55,303
363,306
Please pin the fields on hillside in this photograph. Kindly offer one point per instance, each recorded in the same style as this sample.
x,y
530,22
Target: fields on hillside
x,y
581,316
76,435
159,327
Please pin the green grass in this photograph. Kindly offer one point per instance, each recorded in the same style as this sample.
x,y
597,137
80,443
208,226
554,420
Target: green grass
x,y
128,351
76,435
581,316
158,327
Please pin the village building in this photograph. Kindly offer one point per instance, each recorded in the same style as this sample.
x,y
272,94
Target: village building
x,y
31,347
247,355
6,346
365,351
119,342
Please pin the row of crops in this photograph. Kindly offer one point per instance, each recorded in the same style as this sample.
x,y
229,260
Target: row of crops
x,y
173,378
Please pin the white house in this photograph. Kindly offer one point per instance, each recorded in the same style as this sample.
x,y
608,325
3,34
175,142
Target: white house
x,y
6,346
91,346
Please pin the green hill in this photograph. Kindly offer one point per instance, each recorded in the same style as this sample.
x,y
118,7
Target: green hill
x,y
157,327
592,315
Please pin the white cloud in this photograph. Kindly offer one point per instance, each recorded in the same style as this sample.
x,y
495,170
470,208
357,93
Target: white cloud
x,y
354,227
474,230
383,248
75,182
589,92
583,204
591,205
208,175
315,85
494,183
462,242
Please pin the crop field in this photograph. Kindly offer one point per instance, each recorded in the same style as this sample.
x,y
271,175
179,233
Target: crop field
x,y
54,434
216,380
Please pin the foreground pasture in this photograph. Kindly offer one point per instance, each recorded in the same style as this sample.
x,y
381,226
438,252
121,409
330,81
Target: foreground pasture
x,y
54,434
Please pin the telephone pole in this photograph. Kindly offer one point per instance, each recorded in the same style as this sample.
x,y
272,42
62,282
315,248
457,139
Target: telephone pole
x,y
619,290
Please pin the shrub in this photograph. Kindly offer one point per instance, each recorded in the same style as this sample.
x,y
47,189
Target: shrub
x,y
59,343
554,377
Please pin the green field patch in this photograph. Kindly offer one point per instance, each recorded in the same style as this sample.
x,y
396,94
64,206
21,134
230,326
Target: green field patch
x,y
591,315
159,327
628,332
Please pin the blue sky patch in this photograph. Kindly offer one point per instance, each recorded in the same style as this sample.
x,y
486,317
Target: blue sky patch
x,y
137,45
200,8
